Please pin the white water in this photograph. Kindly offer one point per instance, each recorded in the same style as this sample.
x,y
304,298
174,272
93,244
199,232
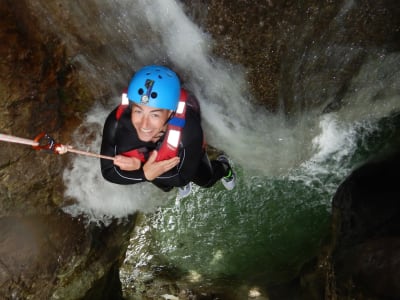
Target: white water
x,y
258,142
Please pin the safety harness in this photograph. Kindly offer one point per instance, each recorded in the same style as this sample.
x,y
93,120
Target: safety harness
x,y
170,145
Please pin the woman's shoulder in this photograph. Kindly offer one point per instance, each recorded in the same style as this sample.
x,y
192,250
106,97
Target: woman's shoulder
x,y
192,131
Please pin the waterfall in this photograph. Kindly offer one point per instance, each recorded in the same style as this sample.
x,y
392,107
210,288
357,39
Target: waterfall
x,y
260,143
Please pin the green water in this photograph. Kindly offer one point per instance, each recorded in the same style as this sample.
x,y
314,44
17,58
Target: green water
x,y
259,229
263,231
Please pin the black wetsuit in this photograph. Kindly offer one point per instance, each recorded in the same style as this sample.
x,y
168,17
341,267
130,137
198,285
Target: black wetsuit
x,y
119,136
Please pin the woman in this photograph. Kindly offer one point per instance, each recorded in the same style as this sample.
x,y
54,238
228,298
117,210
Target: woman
x,y
158,137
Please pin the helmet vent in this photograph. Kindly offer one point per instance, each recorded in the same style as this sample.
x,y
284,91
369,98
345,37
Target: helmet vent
x,y
140,91
153,95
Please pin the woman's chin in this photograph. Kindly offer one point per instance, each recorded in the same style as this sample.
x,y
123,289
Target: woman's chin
x,y
145,137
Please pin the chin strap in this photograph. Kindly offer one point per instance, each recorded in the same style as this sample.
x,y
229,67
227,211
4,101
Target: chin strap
x,y
45,142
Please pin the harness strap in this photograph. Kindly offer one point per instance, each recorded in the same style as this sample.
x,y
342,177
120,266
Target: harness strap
x,y
124,104
138,153
170,146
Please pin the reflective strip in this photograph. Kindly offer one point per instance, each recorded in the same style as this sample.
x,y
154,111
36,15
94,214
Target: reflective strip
x,y
174,137
125,100
181,107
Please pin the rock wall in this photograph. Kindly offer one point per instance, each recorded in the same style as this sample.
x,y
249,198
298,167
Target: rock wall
x,y
39,92
299,54
45,253
367,236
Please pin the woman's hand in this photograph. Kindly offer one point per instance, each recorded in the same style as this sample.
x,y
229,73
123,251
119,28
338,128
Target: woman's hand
x,y
152,168
126,163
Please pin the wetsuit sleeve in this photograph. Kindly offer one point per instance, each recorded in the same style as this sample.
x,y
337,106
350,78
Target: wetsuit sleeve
x,y
109,171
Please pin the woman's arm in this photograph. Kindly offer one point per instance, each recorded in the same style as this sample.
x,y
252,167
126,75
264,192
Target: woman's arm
x,y
110,171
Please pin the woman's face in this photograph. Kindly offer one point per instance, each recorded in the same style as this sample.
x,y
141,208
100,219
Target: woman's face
x,y
149,121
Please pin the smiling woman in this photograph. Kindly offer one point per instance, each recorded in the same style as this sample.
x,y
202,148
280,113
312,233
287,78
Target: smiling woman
x,y
160,138
149,122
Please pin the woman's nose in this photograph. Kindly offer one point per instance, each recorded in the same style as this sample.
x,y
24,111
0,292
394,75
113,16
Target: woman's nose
x,y
144,121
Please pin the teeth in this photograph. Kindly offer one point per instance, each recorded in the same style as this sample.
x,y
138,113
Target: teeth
x,y
146,130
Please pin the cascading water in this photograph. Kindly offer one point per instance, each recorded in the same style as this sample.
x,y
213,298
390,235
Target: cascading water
x,y
288,168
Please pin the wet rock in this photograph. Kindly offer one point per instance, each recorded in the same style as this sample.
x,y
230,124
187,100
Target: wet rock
x,y
299,55
33,250
40,92
367,213
60,257
45,253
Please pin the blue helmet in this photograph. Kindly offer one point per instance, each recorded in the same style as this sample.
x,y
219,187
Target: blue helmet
x,y
155,86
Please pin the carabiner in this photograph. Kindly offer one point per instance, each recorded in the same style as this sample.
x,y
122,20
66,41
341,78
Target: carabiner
x,y
45,142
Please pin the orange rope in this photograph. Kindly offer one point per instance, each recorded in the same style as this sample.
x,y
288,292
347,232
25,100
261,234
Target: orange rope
x,y
18,140
69,149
